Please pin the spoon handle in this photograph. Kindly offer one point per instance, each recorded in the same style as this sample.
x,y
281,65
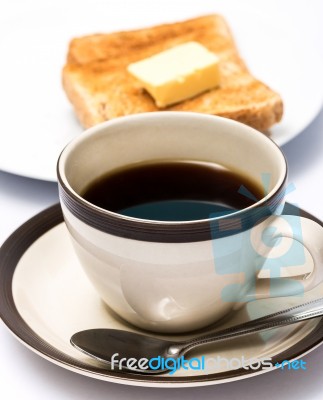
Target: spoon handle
x,y
309,310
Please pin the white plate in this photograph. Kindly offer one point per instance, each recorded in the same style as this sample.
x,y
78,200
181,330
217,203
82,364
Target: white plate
x,y
36,118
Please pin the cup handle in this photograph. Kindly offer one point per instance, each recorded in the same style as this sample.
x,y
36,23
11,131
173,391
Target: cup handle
x,y
310,235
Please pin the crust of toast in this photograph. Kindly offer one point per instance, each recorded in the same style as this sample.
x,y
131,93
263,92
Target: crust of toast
x,y
97,83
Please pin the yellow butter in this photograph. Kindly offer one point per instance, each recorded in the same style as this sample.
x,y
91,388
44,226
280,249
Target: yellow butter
x,y
178,73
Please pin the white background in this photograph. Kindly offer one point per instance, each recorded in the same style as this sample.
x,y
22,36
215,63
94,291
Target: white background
x,y
24,375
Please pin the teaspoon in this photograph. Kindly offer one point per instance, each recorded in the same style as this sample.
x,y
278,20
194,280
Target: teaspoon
x,y
113,346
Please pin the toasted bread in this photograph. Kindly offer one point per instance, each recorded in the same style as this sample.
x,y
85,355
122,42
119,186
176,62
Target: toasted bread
x,y
100,88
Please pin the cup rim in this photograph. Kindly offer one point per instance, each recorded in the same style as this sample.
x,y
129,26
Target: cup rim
x,y
78,205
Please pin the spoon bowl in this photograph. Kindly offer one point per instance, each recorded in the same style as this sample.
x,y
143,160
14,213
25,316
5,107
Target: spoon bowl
x,y
116,347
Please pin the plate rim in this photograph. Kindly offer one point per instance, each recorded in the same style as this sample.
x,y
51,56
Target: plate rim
x,y
19,242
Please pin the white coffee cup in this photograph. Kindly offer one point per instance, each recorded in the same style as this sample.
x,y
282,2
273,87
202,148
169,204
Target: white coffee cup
x,y
181,276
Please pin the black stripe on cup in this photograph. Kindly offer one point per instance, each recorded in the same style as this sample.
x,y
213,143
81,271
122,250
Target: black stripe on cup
x,y
168,232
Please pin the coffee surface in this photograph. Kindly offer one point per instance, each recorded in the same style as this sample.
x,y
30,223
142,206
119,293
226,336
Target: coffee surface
x,y
173,191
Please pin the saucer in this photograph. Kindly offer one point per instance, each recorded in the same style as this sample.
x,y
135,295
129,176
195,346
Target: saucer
x,y
45,298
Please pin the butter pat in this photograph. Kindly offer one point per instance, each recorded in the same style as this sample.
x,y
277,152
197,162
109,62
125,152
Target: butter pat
x,y
178,73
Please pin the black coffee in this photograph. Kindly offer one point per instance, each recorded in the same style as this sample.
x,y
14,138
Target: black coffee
x,y
173,191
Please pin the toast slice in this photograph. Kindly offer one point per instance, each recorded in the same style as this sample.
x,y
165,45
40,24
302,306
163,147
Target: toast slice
x,y
100,88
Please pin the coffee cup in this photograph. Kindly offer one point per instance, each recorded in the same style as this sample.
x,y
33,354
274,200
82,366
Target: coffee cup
x,y
178,276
